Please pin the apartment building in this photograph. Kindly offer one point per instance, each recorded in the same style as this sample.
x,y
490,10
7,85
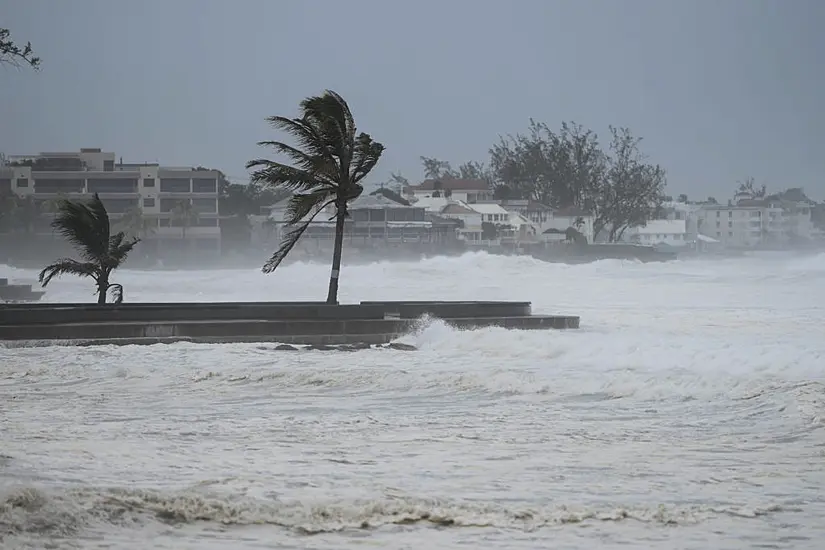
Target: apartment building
x,y
753,223
150,192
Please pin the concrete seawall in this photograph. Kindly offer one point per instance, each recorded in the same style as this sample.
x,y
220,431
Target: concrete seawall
x,y
296,323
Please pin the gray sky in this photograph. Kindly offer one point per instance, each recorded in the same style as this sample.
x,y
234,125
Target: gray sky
x,y
719,89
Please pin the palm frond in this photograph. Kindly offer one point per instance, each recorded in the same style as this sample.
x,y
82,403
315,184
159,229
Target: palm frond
x,y
67,266
305,135
331,117
120,247
322,166
294,231
365,155
275,174
85,226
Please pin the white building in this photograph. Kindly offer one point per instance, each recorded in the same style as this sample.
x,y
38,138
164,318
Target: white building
x,y
753,223
151,190
573,217
464,190
661,232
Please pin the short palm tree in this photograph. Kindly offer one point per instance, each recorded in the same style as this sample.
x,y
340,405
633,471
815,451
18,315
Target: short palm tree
x,y
330,160
86,226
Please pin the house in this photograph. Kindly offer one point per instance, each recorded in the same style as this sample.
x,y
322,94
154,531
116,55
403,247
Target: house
x,y
537,213
574,217
372,219
470,230
661,232
465,190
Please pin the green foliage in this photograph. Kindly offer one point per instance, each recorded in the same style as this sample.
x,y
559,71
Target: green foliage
x,y
328,162
86,226
569,168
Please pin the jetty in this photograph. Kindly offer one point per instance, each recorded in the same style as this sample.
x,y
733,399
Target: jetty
x,y
308,323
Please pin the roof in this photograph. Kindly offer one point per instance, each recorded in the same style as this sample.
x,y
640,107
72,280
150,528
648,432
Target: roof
x,y
487,208
453,184
666,227
375,202
441,220
528,205
457,208
570,212
434,204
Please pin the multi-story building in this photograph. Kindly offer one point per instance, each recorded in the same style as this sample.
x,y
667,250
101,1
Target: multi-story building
x,y
756,222
175,208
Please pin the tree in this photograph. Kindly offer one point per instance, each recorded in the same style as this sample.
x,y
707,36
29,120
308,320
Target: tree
x,y
631,192
184,215
87,227
12,54
437,169
748,187
398,182
557,169
489,231
682,198
135,224
330,161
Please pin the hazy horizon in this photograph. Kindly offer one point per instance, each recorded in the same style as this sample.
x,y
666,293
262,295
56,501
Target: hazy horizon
x,y
718,91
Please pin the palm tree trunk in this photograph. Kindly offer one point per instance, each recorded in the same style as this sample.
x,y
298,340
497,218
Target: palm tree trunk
x,y
102,288
332,296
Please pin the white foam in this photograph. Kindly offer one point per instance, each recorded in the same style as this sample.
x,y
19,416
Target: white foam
x,y
694,393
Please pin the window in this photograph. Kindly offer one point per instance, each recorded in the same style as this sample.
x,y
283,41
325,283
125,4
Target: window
x,y
730,213
148,182
112,185
204,185
119,206
48,185
167,205
730,224
108,165
148,203
175,185
22,182
207,206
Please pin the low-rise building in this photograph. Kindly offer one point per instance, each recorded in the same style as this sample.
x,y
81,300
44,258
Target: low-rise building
x,y
661,232
465,190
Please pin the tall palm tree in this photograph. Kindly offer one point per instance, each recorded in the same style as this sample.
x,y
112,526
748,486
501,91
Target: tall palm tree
x,y
86,226
329,162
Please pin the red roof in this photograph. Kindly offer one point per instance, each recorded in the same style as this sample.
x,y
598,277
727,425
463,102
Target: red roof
x,y
452,185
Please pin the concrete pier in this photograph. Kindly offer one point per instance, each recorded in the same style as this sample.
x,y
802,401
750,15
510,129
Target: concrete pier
x,y
223,322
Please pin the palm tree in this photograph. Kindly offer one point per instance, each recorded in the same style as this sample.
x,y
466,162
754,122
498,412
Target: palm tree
x,y
185,215
329,162
135,224
86,226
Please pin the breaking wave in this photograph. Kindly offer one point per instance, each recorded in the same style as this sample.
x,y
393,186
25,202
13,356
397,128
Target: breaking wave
x,y
33,511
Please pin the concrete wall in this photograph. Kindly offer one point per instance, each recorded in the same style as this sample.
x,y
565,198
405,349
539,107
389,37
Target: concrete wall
x,y
51,314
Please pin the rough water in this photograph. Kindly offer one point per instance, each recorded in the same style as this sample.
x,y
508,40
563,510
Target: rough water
x,y
687,413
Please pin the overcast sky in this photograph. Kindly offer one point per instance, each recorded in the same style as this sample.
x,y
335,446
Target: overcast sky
x,y
719,89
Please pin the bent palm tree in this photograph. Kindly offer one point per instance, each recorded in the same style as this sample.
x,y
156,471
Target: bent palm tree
x,y
329,162
86,226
